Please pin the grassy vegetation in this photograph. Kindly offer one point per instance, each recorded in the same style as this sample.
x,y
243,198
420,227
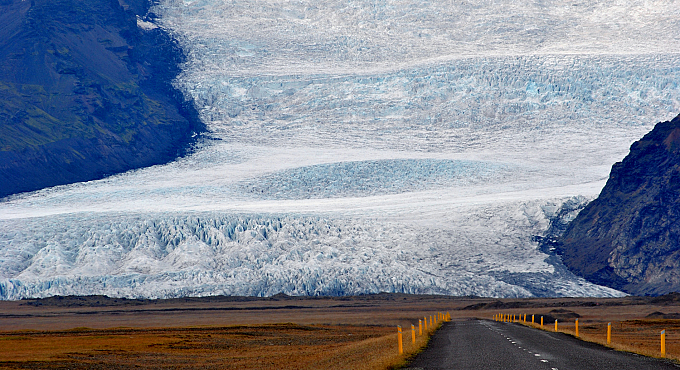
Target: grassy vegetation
x,y
220,332
641,336
25,121
318,332
273,346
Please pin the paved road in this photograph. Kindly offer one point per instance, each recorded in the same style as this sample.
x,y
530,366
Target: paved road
x,y
488,345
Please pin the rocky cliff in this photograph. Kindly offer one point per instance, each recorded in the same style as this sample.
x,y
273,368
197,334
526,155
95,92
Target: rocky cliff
x,y
629,237
85,91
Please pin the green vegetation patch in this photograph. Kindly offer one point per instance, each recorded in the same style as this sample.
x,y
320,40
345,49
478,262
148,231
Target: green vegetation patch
x,y
25,122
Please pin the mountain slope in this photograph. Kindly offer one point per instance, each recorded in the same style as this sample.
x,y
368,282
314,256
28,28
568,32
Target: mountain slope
x,y
85,92
629,237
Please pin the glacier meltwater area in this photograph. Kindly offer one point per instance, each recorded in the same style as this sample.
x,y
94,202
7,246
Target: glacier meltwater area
x,y
364,146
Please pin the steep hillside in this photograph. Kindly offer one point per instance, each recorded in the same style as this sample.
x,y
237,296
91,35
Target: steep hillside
x,y
84,92
629,237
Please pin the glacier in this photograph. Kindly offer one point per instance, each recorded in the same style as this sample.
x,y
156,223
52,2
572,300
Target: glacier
x,y
364,146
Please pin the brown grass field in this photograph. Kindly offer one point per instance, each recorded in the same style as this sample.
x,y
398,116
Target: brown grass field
x,y
641,336
290,332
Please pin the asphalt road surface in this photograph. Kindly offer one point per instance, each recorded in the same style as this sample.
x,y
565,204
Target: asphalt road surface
x,y
488,345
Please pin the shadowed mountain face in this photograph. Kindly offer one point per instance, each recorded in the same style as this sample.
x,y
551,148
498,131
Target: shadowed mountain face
x,y
85,92
629,237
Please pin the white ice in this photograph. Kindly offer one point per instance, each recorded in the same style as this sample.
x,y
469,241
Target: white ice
x,y
364,146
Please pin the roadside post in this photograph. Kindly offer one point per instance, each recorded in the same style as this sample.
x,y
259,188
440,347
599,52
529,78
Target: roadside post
x,y
541,322
399,339
555,325
413,334
532,319
576,323
425,318
420,326
663,343
609,333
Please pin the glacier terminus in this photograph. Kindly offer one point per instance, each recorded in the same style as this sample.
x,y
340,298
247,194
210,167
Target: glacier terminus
x,y
364,146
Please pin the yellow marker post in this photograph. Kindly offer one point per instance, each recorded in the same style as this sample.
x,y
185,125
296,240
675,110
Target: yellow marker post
x,y
525,318
663,343
541,322
420,326
413,334
555,325
609,333
532,319
425,318
401,347
576,326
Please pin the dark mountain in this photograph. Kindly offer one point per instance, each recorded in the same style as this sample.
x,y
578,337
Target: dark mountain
x,y
85,92
629,237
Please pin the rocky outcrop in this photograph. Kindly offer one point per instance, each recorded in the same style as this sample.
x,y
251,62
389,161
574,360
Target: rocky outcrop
x,y
85,91
629,237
